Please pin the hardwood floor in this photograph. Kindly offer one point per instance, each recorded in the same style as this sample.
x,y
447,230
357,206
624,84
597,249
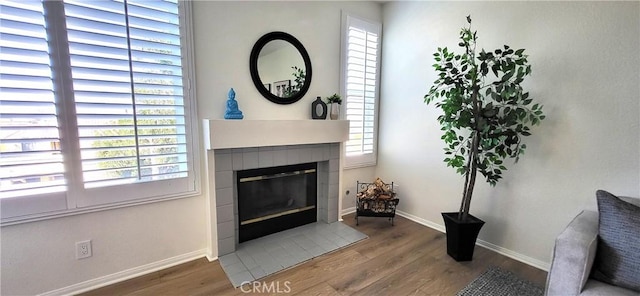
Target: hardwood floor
x,y
405,259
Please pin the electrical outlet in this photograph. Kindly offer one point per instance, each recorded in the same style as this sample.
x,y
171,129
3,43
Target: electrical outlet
x,y
83,249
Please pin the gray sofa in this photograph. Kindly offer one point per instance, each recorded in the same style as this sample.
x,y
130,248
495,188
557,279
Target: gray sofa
x,y
573,258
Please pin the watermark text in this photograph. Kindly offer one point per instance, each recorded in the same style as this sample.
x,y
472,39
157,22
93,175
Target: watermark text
x,y
266,287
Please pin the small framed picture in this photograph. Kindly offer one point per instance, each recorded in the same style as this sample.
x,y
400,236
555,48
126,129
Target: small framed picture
x,y
267,86
280,88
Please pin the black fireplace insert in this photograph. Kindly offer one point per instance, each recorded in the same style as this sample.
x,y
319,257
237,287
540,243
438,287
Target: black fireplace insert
x,y
275,199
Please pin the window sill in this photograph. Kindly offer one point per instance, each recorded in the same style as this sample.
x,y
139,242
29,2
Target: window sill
x,y
360,165
87,210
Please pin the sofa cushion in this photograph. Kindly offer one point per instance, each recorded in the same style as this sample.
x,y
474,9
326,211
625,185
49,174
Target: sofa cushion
x,y
597,288
618,256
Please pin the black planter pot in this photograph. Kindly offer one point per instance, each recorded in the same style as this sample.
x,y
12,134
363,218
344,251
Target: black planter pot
x,y
461,235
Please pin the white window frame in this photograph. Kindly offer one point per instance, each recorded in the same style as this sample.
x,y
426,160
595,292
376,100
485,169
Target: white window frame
x,y
79,200
349,20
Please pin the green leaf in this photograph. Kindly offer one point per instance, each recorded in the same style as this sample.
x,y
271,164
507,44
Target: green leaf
x,y
519,51
507,76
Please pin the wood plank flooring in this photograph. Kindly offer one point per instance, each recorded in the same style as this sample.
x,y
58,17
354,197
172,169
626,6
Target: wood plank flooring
x,y
405,259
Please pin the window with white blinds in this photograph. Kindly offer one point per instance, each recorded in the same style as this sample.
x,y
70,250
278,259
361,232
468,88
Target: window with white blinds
x,y
94,104
30,156
360,86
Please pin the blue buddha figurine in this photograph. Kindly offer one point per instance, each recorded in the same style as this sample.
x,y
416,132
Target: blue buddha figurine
x,y
232,107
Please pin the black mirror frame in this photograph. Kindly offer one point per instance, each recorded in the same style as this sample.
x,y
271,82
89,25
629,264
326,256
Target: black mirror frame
x,y
253,67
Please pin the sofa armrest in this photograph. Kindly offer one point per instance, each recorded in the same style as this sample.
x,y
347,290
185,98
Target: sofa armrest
x,y
573,255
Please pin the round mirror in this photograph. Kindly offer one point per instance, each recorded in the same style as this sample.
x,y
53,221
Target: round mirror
x,y
280,68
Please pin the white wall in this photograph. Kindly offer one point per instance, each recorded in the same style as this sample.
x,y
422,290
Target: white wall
x,y
585,58
226,32
40,256
349,179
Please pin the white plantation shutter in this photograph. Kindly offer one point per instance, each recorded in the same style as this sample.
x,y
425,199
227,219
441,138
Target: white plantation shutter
x,y
361,54
30,156
118,94
127,78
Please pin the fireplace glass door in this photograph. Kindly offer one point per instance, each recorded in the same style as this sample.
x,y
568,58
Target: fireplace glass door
x,y
275,199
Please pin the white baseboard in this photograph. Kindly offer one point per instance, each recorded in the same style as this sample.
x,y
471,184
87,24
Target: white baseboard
x,y
127,274
515,255
211,258
422,221
498,249
348,211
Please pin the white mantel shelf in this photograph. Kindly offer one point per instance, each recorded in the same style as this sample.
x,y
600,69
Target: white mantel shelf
x,y
225,134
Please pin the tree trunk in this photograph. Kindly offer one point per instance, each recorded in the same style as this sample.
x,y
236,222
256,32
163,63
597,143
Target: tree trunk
x,y
466,187
474,172
472,162
470,177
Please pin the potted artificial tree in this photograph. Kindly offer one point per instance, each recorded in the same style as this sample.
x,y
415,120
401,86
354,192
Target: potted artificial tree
x,y
334,102
486,113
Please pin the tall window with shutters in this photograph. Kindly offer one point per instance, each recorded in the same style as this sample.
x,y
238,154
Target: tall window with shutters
x,y
360,87
95,105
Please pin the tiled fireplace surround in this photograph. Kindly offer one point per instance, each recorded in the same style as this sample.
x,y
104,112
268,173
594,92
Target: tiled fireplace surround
x,y
229,161
315,141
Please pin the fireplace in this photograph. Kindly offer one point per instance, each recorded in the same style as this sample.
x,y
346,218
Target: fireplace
x,y
274,199
231,163
238,145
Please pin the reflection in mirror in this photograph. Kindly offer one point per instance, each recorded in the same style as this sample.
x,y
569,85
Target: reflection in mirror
x,y
280,68
281,65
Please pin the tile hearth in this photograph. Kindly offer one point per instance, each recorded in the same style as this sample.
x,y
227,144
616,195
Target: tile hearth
x,y
260,257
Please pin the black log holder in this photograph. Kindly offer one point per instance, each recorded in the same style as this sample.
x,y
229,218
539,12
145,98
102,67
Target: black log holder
x,y
375,207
